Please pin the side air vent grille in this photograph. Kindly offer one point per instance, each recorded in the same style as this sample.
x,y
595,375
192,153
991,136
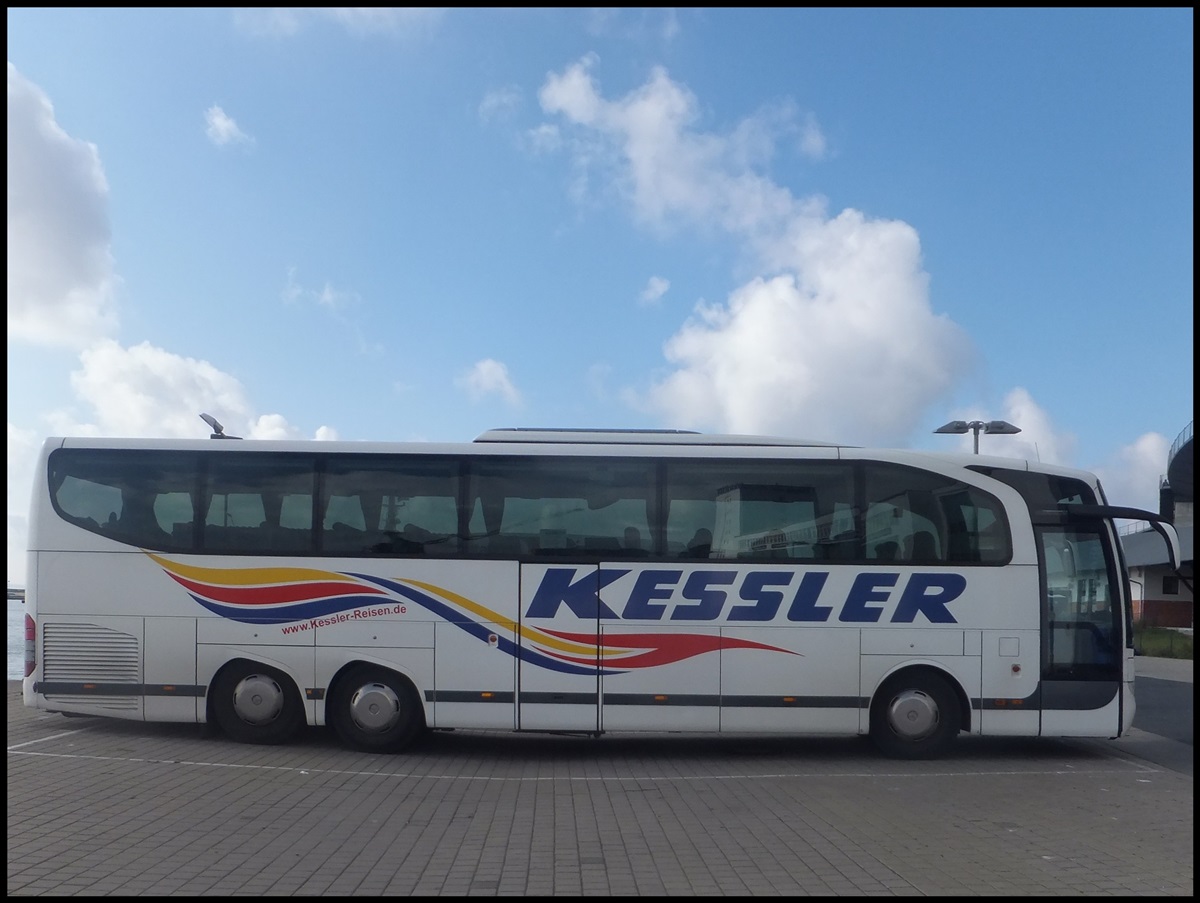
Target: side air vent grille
x,y
107,703
75,652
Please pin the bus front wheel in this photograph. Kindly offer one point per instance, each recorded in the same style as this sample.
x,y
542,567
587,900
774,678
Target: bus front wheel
x,y
255,703
375,710
915,716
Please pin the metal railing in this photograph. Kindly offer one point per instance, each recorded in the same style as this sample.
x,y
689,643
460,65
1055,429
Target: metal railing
x,y
1184,437
1137,526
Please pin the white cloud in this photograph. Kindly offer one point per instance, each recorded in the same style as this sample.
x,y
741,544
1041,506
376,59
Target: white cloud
x,y
499,103
670,26
838,338
333,298
836,341
670,173
543,139
812,139
633,24
272,426
341,304
364,20
148,391
1133,475
23,448
780,360
654,290
143,391
59,293
327,296
358,21
60,270
1039,439
573,92
486,378
1130,478
597,378
222,129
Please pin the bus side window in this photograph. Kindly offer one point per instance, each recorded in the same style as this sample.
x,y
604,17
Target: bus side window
x,y
922,546
631,543
86,502
176,515
700,545
137,523
430,525
343,526
689,527
561,508
887,551
141,499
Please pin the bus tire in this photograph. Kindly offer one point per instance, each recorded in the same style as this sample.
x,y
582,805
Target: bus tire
x,y
915,715
254,703
375,710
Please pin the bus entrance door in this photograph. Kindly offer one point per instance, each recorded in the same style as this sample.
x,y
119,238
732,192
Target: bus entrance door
x,y
558,676
660,660
1082,651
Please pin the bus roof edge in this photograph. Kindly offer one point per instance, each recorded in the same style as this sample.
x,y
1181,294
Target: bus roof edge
x,y
572,436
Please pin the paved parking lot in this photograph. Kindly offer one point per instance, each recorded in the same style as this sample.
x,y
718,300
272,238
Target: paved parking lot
x,y
100,807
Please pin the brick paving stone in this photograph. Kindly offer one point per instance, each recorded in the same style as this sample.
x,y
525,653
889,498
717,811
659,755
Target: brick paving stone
x,y
98,807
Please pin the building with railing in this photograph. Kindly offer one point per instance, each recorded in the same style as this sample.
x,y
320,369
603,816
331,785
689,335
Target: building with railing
x,y
1163,595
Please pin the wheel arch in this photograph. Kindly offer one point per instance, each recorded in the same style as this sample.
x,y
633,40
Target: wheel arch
x,y
375,708
239,657
333,664
242,659
909,669
255,701
350,665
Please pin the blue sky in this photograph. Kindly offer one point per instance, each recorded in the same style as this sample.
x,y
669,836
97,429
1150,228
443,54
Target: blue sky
x,y
421,224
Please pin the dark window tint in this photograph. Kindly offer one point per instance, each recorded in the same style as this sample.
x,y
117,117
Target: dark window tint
x,y
587,507
560,507
761,510
1042,491
145,499
258,504
917,516
390,506
1083,641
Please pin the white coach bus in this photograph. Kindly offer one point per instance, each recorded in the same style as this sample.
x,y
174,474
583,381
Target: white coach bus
x,y
577,581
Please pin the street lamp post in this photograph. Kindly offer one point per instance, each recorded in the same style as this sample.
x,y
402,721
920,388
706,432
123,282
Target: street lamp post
x,y
1001,427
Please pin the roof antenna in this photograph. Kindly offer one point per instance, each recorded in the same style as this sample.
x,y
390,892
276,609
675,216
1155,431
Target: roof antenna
x,y
218,431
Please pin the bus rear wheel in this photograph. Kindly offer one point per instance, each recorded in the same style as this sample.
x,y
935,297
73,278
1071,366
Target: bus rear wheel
x,y
255,703
375,710
915,716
